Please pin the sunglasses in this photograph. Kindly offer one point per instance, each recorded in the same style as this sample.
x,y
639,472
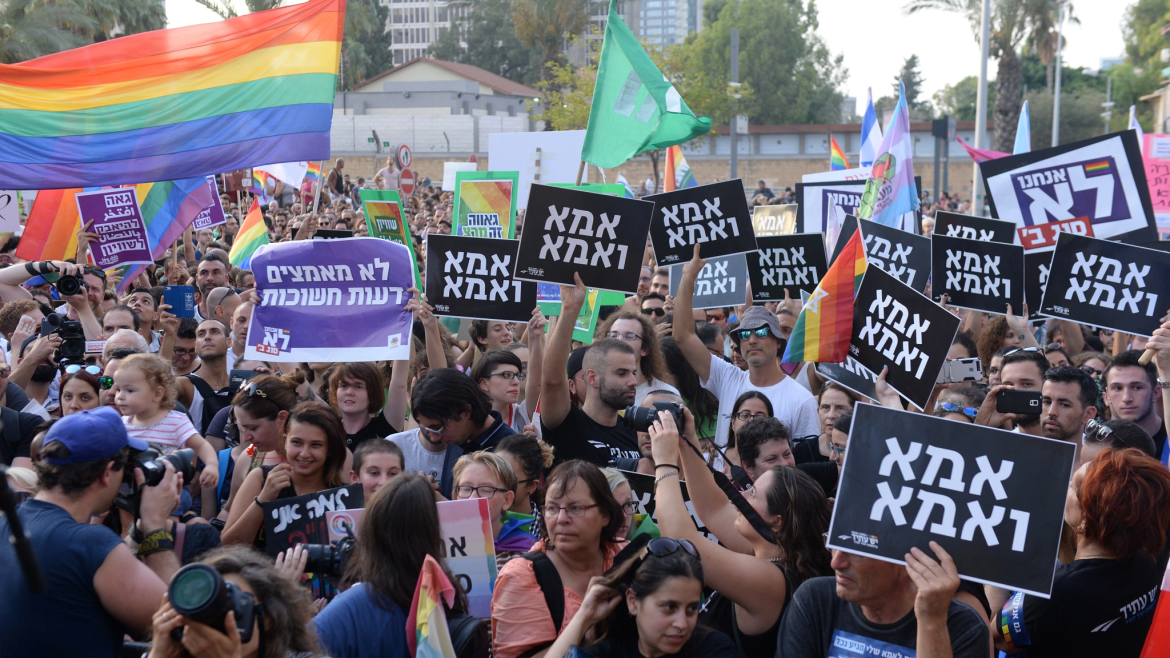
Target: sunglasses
x,y
252,389
663,546
654,311
76,368
1092,371
744,334
1096,431
1023,349
951,407
715,317
106,383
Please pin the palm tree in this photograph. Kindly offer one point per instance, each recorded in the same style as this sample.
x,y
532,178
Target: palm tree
x,y
1044,16
32,28
226,8
1010,20
546,24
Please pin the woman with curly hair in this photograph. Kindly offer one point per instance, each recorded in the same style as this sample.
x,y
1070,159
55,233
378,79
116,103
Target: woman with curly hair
x,y
1004,331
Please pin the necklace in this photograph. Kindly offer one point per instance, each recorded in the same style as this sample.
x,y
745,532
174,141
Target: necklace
x,y
775,560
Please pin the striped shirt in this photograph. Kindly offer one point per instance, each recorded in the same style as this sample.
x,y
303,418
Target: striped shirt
x,y
167,435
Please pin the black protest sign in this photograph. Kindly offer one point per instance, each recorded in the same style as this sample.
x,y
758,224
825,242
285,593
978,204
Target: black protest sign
x,y
897,326
985,276
1101,180
720,283
1036,266
332,234
714,215
472,278
848,228
1107,284
301,519
993,499
599,236
793,262
642,486
852,375
972,227
902,254
819,204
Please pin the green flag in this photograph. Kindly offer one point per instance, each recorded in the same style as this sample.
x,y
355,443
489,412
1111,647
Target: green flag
x,y
635,108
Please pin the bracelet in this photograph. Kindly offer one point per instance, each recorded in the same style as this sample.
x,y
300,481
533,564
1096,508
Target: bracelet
x,y
256,499
663,476
159,540
1162,384
674,466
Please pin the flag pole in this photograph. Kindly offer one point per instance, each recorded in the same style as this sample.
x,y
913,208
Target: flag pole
x,y
317,185
580,171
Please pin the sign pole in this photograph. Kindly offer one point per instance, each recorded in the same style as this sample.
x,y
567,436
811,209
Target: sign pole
x,y
580,172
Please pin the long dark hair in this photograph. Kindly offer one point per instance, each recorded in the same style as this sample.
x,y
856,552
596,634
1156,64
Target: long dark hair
x,y
644,574
326,419
396,533
747,395
702,403
801,503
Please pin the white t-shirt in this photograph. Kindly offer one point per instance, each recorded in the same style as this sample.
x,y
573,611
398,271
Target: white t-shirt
x,y
651,384
792,404
416,457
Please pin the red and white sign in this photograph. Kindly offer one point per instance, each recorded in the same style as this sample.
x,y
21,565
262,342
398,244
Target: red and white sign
x,y
406,180
1044,235
405,157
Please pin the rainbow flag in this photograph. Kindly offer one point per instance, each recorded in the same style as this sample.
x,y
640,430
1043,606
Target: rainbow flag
x,y
837,161
51,230
313,174
1097,167
678,172
823,328
427,635
262,181
168,208
174,104
1158,639
252,235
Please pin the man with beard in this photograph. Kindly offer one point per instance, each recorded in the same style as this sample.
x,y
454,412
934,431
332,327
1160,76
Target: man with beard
x,y
207,392
146,306
758,340
1022,370
1133,392
183,358
35,372
1069,403
592,432
212,274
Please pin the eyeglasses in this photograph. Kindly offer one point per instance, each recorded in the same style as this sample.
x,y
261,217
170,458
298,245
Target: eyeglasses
x,y
438,432
509,375
178,351
715,317
464,491
628,335
1092,371
1096,431
663,546
1023,349
551,512
744,334
658,311
106,383
836,450
747,415
630,508
970,412
253,389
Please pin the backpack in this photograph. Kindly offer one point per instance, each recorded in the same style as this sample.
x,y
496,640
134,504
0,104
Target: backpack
x,y
470,636
212,401
554,594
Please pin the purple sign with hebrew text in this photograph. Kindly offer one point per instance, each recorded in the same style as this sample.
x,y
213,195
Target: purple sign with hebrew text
x,y
118,222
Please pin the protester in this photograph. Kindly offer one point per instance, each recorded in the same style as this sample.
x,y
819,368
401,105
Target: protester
x,y
1023,370
80,390
206,392
749,406
699,400
358,392
499,375
637,331
1134,392
1117,434
623,493
529,458
1068,403
582,520
261,408
489,476
1093,363
832,401
649,605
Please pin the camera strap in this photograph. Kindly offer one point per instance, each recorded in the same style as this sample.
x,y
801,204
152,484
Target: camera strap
x,y
736,498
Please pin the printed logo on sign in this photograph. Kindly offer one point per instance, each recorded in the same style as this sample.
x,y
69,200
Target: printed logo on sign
x,y
1045,235
395,340
861,539
846,204
533,271
1091,188
1060,310
275,341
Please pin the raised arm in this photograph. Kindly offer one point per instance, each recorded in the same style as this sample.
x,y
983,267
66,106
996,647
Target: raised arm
x,y
684,326
12,277
1019,324
554,389
1160,341
532,384
709,501
1074,340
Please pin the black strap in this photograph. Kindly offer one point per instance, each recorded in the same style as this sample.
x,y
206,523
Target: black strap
x,y
551,586
736,498
213,400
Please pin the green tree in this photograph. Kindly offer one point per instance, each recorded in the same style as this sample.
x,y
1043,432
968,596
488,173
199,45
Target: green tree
x,y
959,100
117,18
1142,31
911,79
484,36
227,8
32,28
1080,116
793,77
544,24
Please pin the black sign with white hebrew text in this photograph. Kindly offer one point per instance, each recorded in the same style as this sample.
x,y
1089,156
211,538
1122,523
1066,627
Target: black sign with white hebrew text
x,y
714,215
1107,284
1036,264
993,499
301,519
902,254
794,262
472,278
599,236
852,375
985,276
972,227
720,283
896,326
642,486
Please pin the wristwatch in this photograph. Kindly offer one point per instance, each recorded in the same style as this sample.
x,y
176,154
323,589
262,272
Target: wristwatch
x,y
1162,384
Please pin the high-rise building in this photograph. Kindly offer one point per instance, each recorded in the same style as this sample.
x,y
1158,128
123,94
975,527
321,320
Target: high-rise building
x,y
415,24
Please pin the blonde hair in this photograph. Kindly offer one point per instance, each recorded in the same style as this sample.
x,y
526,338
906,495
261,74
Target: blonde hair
x,y
157,373
614,477
497,465
25,478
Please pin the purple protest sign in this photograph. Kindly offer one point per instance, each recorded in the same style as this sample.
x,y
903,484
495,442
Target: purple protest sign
x,y
331,300
212,215
118,222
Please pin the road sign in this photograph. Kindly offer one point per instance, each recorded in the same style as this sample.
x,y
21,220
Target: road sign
x,y
405,157
406,179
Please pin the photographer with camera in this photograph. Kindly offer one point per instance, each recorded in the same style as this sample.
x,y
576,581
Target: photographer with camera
x,y
96,589
73,285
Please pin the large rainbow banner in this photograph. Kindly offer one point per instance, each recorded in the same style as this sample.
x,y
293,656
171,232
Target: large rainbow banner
x,y
174,104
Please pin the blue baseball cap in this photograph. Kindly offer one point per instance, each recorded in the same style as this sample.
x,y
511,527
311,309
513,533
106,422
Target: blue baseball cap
x,y
90,435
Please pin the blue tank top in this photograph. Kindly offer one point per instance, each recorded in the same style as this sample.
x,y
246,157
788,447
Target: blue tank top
x,y
67,619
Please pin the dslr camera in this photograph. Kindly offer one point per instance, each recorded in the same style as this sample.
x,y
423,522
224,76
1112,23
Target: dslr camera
x,y
199,593
69,285
640,419
72,349
151,463
330,559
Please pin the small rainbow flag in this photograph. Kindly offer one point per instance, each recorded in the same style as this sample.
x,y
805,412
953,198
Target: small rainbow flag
x,y
1097,167
262,181
823,328
427,635
253,234
678,172
837,161
313,174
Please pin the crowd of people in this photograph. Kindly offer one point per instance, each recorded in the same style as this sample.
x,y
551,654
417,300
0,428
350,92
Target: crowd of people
x,y
547,430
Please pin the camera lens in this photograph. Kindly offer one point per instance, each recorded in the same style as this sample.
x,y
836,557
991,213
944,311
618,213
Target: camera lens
x,y
194,588
68,285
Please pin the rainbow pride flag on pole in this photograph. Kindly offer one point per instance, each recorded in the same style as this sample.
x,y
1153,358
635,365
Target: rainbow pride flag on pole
x,y
837,161
678,172
822,330
168,208
313,173
427,635
253,234
174,104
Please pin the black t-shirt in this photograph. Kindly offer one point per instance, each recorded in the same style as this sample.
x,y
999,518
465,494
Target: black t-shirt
x,y
703,642
377,428
1160,443
818,624
27,431
825,473
806,451
1098,608
580,437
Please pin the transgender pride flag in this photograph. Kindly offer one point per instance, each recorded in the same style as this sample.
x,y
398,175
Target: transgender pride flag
x,y
891,193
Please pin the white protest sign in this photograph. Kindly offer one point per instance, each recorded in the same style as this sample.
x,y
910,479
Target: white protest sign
x,y
9,211
469,545
541,157
452,168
